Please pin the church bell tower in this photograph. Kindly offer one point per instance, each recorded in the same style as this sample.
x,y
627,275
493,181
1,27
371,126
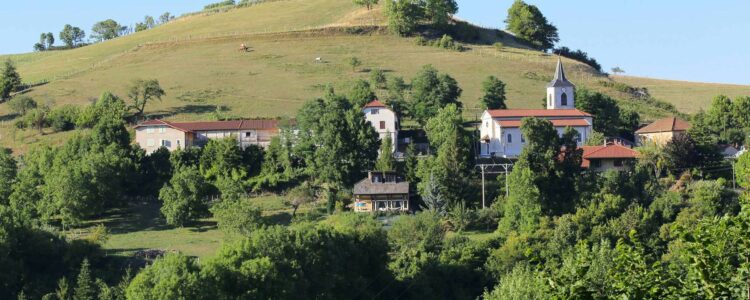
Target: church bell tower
x,y
560,91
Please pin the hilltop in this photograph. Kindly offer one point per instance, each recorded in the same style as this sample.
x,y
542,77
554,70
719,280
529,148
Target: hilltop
x,y
197,61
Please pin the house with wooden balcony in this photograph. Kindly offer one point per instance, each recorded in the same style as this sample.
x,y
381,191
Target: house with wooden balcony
x,y
381,192
154,134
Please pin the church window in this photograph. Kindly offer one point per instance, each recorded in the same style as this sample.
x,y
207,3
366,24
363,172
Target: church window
x,y
510,138
564,99
549,100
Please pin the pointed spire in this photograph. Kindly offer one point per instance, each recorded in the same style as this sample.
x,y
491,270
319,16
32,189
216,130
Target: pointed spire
x,y
560,80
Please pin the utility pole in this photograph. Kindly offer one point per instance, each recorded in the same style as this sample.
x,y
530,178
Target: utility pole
x,y
484,169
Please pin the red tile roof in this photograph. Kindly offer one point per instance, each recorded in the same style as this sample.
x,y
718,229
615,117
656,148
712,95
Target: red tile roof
x,y
665,125
375,103
216,125
556,123
522,113
606,152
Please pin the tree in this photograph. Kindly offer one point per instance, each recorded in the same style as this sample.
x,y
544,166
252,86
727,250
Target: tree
x,y
37,118
354,62
523,208
378,78
617,70
403,15
360,93
432,91
49,39
72,36
148,23
439,12
174,276
8,172
10,81
494,94
681,153
605,110
85,288
743,171
300,195
42,44
22,104
237,217
528,24
106,30
141,92
184,197
366,3
165,18
385,162
433,199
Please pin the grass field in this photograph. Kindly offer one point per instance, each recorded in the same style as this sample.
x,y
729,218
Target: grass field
x,y
197,61
141,227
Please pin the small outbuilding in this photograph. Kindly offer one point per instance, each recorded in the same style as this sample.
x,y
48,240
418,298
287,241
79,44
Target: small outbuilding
x,y
381,192
661,131
608,157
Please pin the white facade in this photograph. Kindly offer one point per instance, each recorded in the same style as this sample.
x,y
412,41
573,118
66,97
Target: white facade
x,y
500,131
383,120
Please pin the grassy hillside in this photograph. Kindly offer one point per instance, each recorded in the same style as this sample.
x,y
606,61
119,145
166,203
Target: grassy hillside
x,y
198,63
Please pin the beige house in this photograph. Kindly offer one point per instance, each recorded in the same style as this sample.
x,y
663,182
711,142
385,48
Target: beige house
x,y
154,134
608,157
661,131
381,192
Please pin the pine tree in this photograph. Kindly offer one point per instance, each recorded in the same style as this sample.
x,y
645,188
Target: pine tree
x,y
63,290
385,160
85,288
433,199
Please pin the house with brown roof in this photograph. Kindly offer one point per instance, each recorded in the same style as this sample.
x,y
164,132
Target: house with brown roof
x,y
500,132
154,134
660,132
381,192
608,157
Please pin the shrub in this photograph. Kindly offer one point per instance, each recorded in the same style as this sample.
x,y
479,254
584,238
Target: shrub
x,y
377,78
64,117
421,41
237,217
22,104
499,46
219,4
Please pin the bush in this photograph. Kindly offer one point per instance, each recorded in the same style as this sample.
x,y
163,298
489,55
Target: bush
x,y
64,117
237,217
499,46
219,4
581,56
184,197
377,78
22,104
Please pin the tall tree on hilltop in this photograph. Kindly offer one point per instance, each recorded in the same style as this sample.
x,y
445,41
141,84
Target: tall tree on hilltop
x,y
494,93
439,12
143,91
72,36
107,30
403,15
528,24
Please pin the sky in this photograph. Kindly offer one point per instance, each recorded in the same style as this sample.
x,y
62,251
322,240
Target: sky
x,y
694,40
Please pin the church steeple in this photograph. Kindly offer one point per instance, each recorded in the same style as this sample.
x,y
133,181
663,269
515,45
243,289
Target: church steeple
x,y
560,91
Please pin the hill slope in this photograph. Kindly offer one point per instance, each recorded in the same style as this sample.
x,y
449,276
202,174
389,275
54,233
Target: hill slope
x,y
197,61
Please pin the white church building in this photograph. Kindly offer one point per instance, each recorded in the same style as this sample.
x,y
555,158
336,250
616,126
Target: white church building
x,y
500,131
383,119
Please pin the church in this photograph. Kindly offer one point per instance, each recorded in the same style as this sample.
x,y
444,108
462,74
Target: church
x,y
500,131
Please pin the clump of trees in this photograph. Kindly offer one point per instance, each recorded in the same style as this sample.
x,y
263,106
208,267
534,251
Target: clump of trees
x,y
581,56
107,30
528,23
405,16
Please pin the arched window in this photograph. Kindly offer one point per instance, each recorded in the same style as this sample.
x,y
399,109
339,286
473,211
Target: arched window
x,y
510,138
564,99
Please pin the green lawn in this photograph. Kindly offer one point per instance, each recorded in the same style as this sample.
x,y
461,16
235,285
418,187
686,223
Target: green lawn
x,y
142,227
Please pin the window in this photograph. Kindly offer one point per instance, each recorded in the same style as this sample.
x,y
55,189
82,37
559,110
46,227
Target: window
x,y
564,99
375,111
523,140
510,138
149,130
549,100
178,144
382,124
162,129
150,143
596,163
166,143
618,162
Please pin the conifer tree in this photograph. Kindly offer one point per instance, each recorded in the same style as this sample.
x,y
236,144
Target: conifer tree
x,y
385,160
85,288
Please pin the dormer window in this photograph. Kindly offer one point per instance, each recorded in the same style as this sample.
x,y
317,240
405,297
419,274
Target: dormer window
x,y
564,99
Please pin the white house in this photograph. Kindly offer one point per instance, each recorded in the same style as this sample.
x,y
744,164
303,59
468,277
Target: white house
x,y
500,131
384,120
